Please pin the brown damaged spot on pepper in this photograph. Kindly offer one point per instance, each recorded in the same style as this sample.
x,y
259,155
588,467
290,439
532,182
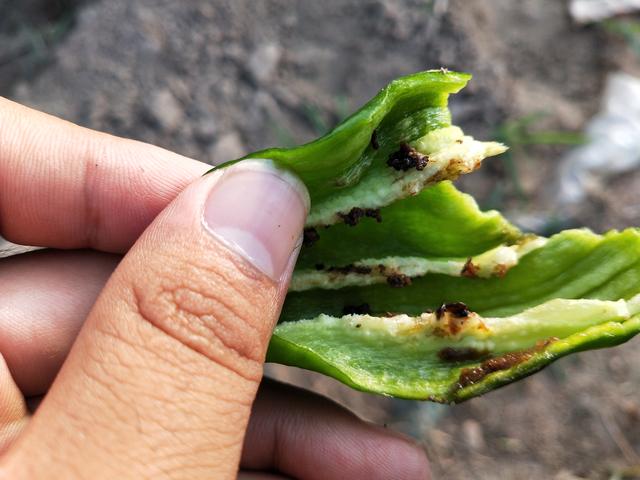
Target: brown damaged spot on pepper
x,y
356,214
374,140
452,354
362,309
398,280
453,170
310,236
457,309
470,376
470,270
360,269
452,318
500,270
406,158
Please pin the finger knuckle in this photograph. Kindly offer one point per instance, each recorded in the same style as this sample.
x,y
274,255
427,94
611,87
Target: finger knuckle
x,y
210,310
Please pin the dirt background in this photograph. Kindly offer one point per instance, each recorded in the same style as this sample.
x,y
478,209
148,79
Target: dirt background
x,y
216,79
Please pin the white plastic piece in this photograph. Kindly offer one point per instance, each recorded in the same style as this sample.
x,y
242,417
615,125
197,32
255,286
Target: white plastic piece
x,y
8,249
586,11
613,145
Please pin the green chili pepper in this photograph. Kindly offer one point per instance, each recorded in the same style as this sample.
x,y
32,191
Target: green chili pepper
x,y
347,168
413,291
559,299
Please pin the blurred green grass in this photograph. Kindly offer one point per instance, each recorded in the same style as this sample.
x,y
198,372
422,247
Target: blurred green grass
x,y
522,135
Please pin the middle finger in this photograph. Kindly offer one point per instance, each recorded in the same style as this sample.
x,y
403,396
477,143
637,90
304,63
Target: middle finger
x,y
44,298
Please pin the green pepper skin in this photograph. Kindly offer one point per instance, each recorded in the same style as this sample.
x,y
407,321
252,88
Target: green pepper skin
x,y
575,264
404,110
439,222
441,382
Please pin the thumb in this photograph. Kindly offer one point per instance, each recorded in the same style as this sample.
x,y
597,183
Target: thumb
x,y
161,379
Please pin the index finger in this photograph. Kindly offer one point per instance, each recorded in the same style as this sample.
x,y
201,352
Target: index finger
x,y
66,186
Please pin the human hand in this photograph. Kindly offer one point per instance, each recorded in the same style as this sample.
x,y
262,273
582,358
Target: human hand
x,y
161,380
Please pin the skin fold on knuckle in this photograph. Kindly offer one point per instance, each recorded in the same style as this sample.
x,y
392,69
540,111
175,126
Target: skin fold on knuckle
x,y
215,305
